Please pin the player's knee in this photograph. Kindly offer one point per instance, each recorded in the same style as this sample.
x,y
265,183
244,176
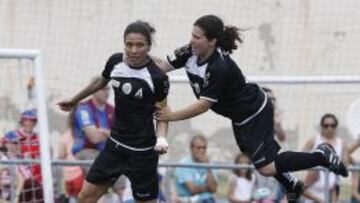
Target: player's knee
x,y
268,170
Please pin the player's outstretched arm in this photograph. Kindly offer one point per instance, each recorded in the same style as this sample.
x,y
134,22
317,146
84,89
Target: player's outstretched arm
x,y
96,84
195,109
175,60
162,64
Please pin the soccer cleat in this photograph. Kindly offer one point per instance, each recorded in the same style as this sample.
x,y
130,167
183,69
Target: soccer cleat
x,y
333,161
293,195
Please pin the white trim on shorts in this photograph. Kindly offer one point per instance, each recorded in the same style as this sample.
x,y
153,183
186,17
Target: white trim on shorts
x,y
130,148
256,113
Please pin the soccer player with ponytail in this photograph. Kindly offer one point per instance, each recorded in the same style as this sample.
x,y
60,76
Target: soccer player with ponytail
x,y
219,85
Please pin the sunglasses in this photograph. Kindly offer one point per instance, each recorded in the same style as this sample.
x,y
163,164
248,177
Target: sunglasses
x,y
329,125
200,147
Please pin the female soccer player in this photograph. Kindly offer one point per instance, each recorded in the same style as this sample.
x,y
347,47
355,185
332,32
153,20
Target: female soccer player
x,y
219,85
133,146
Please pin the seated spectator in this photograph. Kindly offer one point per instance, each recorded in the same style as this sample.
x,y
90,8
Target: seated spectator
x,y
196,184
316,179
73,175
242,183
28,147
279,131
355,175
10,148
161,177
91,127
5,180
276,190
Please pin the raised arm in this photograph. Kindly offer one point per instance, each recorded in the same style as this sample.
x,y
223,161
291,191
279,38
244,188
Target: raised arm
x,y
96,84
164,65
175,60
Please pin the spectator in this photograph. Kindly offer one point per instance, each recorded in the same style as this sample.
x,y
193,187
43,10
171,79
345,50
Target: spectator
x,y
196,184
355,177
28,146
278,128
161,179
92,121
316,179
10,148
73,175
242,184
277,191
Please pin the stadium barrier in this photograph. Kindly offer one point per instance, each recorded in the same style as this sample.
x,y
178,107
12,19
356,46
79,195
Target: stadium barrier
x,y
223,166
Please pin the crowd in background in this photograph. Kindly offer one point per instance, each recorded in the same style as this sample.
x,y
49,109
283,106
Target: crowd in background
x,y
87,131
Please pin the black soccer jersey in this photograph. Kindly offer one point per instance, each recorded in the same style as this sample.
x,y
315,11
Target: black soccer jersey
x,y
136,92
219,80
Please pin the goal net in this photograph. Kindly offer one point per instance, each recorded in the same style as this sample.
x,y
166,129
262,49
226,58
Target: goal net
x,y
25,156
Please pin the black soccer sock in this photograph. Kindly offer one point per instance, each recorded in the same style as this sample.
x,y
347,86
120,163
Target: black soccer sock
x,y
296,161
287,180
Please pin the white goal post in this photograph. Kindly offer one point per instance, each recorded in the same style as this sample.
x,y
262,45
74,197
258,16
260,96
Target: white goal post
x,y
35,57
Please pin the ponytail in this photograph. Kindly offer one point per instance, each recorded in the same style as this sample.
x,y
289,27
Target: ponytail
x,y
228,41
214,28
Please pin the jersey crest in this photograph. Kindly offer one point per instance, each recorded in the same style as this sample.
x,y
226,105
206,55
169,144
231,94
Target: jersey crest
x,y
126,88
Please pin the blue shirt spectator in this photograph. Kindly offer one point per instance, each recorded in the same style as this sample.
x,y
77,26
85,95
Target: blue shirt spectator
x,y
196,184
92,121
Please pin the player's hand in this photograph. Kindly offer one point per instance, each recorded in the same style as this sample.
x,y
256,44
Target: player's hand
x,y
161,145
104,132
163,113
66,105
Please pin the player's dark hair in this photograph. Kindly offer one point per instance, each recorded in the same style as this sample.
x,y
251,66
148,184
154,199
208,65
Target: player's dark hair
x,y
214,28
143,28
328,115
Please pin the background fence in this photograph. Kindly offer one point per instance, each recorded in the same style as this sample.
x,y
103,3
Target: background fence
x,y
168,185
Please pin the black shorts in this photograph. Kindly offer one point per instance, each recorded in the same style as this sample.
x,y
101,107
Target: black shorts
x,y
256,137
139,167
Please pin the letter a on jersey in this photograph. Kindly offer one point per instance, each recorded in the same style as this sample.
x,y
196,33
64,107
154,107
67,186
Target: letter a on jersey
x,y
139,94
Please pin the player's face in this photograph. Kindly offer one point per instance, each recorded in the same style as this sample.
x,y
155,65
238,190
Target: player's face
x,y
136,49
200,45
328,127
